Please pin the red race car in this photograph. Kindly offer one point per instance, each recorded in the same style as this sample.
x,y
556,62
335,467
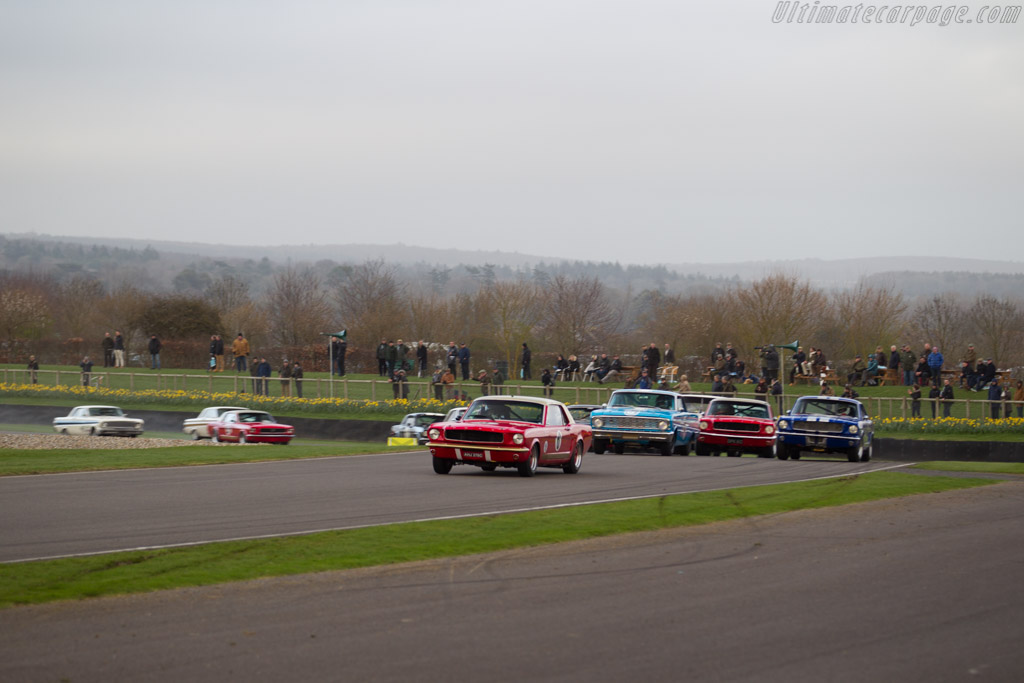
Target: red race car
x,y
735,426
250,426
510,431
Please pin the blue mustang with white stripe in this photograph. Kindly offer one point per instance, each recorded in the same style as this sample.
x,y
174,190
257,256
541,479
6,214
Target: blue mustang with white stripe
x,y
646,418
826,424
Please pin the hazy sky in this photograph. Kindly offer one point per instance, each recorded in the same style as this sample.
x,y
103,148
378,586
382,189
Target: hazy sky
x,y
643,131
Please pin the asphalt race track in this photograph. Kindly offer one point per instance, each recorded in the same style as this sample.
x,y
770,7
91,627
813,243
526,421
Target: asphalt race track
x,y
925,588
58,515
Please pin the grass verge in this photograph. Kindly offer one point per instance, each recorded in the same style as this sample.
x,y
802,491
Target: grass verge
x,y
52,461
141,571
985,467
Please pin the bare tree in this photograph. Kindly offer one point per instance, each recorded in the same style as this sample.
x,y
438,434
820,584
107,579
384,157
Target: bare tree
x,y
775,310
23,315
939,321
512,310
297,307
996,323
577,314
371,301
73,319
868,317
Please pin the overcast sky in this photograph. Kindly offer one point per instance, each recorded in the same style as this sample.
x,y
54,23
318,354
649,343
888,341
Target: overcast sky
x,y
647,131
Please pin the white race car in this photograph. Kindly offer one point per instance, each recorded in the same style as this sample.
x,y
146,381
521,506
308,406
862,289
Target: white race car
x,y
198,427
98,421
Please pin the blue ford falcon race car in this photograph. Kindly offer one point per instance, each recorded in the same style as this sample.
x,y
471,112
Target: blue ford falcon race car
x,y
645,418
826,424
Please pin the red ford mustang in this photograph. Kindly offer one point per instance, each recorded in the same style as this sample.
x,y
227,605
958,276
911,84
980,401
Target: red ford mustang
x,y
737,425
510,431
250,426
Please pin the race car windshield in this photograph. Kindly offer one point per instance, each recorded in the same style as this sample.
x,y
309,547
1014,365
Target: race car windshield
x,y
738,409
255,417
827,408
640,400
105,412
505,410
426,420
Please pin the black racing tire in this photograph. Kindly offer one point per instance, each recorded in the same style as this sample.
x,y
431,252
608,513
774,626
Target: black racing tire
x,y
194,435
868,452
795,455
769,451
619,448
489,467
214,436
92,431
600,446
785,451
667,448
64,432
856,454
442,465
242,439
733,454
702,449
529,468
576,461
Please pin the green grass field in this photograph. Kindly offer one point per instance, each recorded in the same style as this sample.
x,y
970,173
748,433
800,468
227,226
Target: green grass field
x,y
140,571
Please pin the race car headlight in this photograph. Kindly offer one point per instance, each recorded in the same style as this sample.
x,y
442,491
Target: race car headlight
x,y
704,424
662,425
853,429
769,429
434,434
783,425
597,422
103,425
517,439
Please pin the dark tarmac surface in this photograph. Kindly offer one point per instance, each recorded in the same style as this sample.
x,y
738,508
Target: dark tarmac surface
x,y
925,588
61,514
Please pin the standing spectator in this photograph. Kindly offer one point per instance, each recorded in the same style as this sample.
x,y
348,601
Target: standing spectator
x,y
297,376
995,395
716,384
1018,398
526,358
798,360
934,395
392,357
399,385
254,367
263,377
464,361
915,400
773,363
497,381
421,358
485,382
894,361
154,352
448,382
382,358
452,357
340,351
108,350
927,350
213,353
761,390
118,349
669,355
728,387
401,355
947,398
218,352
86,366
653,360
908,362
717,352
33,369
777,393
880,356
935,362
240,350
285,373
435,382
548,382
1007,406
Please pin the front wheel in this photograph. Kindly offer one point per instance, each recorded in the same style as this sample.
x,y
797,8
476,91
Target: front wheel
x,y
600,446
215,436
868,452
619,448
769,451
702,449
856,454
529,468
667,448
242,439
576,462
442,465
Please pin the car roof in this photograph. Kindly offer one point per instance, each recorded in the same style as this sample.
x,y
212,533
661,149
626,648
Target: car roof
x,y
837,399
96,406
647,391
753,401
522,399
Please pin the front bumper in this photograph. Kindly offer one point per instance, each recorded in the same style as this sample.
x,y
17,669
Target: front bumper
x,y
634,436
823,441
735,440
479,453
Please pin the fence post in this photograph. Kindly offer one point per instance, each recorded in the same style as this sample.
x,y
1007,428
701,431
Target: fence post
x,y
344,383
373,390
967,408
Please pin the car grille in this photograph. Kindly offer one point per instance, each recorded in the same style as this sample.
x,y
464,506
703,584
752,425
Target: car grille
x,y
473,435
730,426
271,430
120,424
832,427
616,422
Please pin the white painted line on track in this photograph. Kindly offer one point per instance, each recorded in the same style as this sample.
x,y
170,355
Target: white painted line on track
x,y
468,515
